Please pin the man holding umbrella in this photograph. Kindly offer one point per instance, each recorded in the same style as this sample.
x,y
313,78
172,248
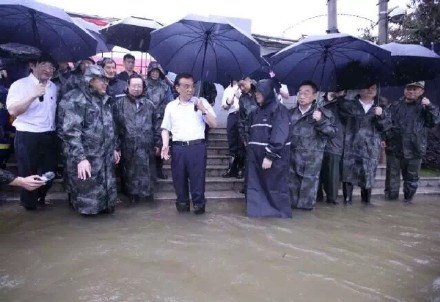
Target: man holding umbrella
x,y
365,122
406,141
310,128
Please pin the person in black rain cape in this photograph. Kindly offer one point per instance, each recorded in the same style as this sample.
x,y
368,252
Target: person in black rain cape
x,y
268,154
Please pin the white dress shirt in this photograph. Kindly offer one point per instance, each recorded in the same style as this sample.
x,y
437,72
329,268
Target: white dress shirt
x,y
40,116
229,95
304,111
183,122
366,106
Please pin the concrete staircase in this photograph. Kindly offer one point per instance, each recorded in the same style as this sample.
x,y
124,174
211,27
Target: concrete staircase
x,y
218,188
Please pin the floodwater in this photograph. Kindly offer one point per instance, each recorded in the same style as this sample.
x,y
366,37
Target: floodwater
x,y
387,252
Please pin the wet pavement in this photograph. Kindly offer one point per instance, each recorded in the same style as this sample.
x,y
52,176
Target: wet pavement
x,y
388,252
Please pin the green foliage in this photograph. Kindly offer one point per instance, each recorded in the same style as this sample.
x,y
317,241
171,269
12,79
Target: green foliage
x,y
420,25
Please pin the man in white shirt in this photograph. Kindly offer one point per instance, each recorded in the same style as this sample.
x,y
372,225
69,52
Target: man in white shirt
x,y
230,102
185,118
32,100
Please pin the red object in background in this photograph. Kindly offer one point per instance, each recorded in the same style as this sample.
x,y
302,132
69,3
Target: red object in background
x,y
96,21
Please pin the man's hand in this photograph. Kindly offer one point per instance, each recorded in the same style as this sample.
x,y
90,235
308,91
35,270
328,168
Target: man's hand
x,y
267,163
200,105
29,183
165,152
317,115
378,111
84,170
39,90
116,157
425,102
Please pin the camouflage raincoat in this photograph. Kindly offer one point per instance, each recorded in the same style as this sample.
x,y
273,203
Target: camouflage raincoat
x,y
157,90
363,133
6,177
87,132
308,139
138,132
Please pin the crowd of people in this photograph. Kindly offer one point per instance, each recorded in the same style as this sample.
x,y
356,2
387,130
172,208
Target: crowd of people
x,y
95,121
295,156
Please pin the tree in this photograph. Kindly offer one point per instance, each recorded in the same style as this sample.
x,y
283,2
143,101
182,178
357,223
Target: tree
x,y
420,25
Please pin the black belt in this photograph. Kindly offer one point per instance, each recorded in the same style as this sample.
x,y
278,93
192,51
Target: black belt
x,y
187,143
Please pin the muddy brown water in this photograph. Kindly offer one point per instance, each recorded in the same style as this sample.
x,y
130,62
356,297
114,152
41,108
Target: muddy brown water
x,y
389,252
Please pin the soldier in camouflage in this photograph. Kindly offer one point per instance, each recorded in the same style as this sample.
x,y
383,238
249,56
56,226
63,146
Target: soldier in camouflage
x,y
158,93
139,135
329,179
89,142
365,122
406,140
75,78
310,128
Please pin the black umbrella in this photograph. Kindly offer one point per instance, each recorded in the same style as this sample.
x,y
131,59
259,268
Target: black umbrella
x,y
318,58
210,48
19,51
411,63
132,33
93,29
46,27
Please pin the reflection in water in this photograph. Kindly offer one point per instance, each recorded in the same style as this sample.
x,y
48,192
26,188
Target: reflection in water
x,y
390,252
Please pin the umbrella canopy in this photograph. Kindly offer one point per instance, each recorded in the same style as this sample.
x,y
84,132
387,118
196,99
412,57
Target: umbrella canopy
x,y
93,30
263,72
210,48
46,27
318,58
19,51
132,33
411,62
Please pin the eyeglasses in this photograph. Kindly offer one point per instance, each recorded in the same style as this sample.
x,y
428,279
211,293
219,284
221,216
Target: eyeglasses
x,y
187,86
47,66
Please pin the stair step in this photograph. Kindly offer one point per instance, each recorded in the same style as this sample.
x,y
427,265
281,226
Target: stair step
x,y
218,151
232,184
217,142
210,195
217,136
211,170
217,131
211,184
159,196
431,181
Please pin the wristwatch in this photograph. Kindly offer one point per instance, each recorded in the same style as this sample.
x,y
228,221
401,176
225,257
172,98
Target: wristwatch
x,y
204,112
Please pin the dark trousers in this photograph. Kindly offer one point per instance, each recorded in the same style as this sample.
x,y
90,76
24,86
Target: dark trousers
x,y
36,153
234,142
188,167
409,168
330,176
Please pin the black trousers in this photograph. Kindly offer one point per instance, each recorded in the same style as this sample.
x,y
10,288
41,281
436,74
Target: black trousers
x,y
329,178
36,153
235,145
188,167
409,168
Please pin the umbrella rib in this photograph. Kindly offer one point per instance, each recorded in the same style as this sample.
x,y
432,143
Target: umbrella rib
x,y
233,56
72,29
